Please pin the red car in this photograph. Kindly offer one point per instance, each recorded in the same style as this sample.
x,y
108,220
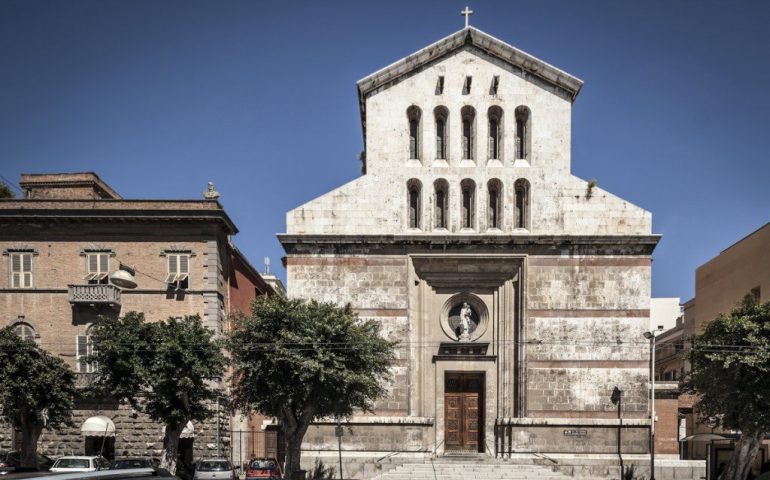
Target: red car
x,y
262,468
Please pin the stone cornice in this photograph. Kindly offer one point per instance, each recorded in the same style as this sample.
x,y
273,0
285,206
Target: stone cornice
x,y
488,244
105,211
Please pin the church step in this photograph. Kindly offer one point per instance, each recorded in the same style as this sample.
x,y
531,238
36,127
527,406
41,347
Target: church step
x,y
453,470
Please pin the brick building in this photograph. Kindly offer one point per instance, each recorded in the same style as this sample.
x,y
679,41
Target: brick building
x,y
61,243
519,293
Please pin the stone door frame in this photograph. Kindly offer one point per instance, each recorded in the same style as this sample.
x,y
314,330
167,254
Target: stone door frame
x,y
487,369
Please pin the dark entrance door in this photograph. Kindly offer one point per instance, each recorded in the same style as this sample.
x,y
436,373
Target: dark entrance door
x,y
463,411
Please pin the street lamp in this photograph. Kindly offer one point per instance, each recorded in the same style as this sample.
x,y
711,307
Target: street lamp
x,y
651,337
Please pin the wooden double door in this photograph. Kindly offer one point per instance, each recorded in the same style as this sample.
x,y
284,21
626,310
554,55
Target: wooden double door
x,y
464,411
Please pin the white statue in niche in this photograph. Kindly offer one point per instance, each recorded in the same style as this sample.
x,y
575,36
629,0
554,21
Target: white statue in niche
x,y
465,322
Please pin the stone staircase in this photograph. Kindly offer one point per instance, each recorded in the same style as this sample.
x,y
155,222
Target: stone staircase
x,y
457,469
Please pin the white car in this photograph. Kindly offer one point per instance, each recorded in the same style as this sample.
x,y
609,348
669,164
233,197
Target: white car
x,y
80,464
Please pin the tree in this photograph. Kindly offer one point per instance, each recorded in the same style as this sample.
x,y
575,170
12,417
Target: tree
x,y
168,370
5,191
301,361
37,392
730,376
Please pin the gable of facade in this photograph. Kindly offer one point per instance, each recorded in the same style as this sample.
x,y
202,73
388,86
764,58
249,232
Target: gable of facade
x,y
468,117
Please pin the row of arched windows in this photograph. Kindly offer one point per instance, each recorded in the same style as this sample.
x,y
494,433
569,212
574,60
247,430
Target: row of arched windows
x,y
468,220
495,131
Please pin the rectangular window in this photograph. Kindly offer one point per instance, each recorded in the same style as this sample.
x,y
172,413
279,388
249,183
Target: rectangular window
x,y
21,270
178,270
84,348
98,268
495,84
467,85
440,85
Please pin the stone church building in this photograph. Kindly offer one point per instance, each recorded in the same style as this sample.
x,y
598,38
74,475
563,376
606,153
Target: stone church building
x,y
519,293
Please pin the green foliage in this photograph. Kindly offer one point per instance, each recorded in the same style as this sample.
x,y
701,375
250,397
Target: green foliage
x,y
37,391
321,471
730,376
164,369
294,354
300,361
730,368
5,191
37,387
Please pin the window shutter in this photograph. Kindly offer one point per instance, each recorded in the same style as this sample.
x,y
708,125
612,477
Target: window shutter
x,y
104,263
93,263
82,352
184,264
16,263
172,264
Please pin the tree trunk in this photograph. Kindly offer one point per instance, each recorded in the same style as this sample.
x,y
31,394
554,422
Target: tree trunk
x,y
30,433
746,449
294,432
171,447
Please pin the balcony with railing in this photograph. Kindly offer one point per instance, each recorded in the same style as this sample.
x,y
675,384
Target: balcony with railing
x,y
83,380
93,295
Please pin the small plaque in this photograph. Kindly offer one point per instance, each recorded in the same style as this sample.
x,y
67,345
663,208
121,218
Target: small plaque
x,y
575,433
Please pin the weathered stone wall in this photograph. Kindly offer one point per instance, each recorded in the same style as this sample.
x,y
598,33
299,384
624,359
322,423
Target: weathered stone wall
x,y
586,316
376,288
377,202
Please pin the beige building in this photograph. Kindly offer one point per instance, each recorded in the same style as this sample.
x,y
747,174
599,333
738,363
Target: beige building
x,y
720,285
62,242
519,293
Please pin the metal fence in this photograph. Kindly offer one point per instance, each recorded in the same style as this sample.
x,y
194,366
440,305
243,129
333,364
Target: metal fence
x,y
248,444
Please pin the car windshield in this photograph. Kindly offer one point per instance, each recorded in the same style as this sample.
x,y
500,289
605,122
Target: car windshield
x,y
131,463
261,464
213,466
72,463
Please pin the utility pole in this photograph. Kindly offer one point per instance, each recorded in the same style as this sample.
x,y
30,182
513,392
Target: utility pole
x,y
338,433
651,337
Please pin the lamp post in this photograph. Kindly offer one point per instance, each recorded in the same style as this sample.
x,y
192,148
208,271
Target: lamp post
x,y
651,337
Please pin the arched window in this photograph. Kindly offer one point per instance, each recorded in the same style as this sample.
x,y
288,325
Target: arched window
x,y
494,207
441,115
414,114
414,202
468,115
441,201
523,132
468,189
521,214
25,331
495,118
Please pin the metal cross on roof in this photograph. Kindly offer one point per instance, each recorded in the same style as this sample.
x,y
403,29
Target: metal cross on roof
x,y
467,12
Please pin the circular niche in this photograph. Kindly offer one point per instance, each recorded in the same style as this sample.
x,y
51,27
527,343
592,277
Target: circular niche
x,y
451,322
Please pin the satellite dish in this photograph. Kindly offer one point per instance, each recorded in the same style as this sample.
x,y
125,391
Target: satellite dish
x,y
123,278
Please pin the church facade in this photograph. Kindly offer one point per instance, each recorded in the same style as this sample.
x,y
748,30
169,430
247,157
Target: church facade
x,y
519,293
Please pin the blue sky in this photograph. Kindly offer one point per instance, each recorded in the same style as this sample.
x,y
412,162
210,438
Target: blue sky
x,y
160,97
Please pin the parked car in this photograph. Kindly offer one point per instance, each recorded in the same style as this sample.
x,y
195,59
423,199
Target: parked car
x,y
80,464
10,461
214,469
134,462
262,468
127,474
